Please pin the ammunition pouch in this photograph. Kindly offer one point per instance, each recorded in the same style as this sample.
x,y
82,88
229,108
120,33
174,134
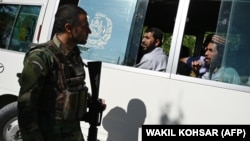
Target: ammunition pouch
x,y
70,105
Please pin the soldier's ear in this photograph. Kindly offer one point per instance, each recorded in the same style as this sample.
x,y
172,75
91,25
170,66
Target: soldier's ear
x,y
68,27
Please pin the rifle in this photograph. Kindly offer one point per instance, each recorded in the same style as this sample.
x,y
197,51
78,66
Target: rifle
x,y
95,110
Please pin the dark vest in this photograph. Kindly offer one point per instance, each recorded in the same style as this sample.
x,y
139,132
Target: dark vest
x,y
64,92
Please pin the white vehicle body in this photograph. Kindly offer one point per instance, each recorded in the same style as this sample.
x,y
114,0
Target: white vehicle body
x,y
137,96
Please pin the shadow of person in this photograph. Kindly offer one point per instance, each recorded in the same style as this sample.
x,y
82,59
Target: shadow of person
x,y
122,125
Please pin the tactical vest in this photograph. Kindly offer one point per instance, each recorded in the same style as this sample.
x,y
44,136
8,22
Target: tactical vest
x,y
70,89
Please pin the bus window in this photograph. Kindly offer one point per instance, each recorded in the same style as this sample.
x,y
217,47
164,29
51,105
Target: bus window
x,y
110,22
234,21
228,19
160,14
18,23
117,28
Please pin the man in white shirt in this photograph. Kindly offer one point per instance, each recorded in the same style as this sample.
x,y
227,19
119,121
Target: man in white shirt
x,y
154,57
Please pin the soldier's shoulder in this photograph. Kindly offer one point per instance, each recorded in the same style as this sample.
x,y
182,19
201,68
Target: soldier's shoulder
x,y
40,56
38,52
38,49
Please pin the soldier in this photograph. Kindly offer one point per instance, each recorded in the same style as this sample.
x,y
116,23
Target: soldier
x,y
53,97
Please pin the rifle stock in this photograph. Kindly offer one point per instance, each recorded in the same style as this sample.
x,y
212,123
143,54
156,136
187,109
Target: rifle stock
x,y
95,115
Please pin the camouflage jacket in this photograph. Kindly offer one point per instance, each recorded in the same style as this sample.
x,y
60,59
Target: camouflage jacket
x,y
47,78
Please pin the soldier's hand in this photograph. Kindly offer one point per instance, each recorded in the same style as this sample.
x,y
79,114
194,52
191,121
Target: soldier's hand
x,y
103,105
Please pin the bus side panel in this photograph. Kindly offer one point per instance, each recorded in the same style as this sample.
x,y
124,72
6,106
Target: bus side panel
x,y
135,99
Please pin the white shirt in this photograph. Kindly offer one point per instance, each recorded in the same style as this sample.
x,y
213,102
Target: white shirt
x,y
155,60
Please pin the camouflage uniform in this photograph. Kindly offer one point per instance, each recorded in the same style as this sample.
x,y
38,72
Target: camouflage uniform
x,y
44,90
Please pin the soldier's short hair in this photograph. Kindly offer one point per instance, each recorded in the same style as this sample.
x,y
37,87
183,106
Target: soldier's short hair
x,y
67,13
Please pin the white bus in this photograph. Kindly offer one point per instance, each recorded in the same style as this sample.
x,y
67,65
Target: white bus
x,y
136,96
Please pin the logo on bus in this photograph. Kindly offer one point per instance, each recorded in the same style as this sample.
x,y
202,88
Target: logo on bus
x,y
1,68
101,28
